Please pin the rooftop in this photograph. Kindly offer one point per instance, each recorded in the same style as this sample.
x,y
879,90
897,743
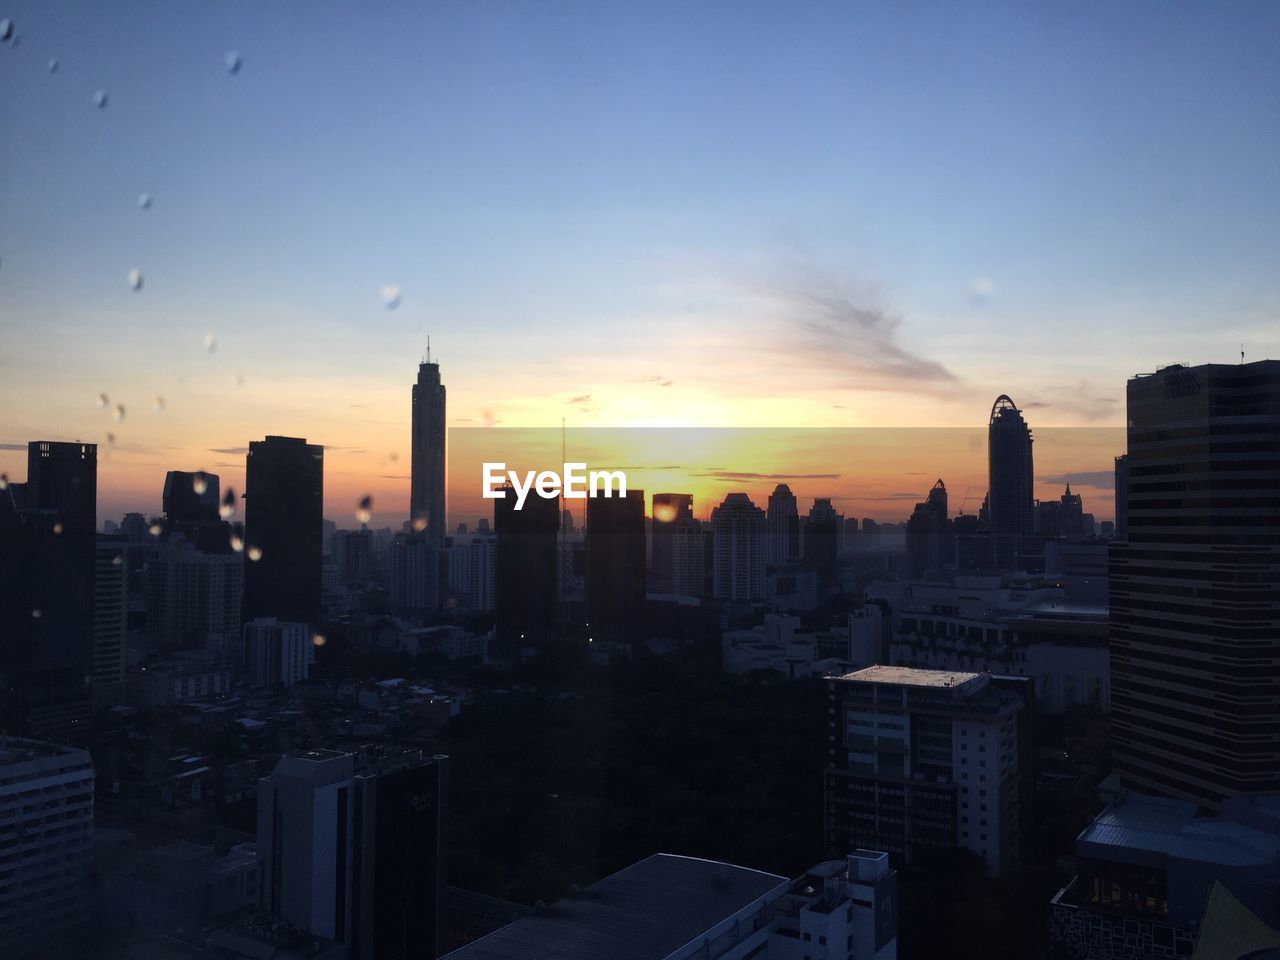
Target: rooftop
x,y
1159,825
911,676
648,911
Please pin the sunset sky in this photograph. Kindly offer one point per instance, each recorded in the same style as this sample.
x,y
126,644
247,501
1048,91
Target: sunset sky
x,y
726,214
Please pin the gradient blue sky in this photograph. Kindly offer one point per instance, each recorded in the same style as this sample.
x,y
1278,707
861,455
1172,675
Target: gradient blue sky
x,y
731,214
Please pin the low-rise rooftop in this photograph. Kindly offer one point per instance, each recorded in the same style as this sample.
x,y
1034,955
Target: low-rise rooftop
x,y
911,676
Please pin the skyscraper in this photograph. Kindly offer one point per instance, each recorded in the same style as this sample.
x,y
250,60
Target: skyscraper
x,y
284,491
930,542
526,562
47,554
110,619
615,565
353,848
670,512
738,527
783,517
822,543
1010,475
426,490
1122,497
1195,587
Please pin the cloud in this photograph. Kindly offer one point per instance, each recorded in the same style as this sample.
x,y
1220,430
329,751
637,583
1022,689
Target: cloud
x,y
13,446
856,341
734,475
229,451
1105,479
660,381
1075,400
585,398
982,289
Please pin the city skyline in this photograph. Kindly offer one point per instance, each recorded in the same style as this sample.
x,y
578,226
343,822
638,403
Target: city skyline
x,y
290,276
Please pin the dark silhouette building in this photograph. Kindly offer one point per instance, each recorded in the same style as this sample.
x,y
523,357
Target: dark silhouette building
x,y
1195,586
672,512
47,558
191,497
526,581
427,474
615,565
1010,477
822,543
353,847
930,540
782,524
284,493
1122,497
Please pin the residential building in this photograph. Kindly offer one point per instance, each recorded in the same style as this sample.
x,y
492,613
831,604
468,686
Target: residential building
x,y
277,653
738,532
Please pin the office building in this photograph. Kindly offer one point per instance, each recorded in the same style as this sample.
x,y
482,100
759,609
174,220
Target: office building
x,y
277,654
821,543
928,759
1149,873
615,566
191,594
414,569
46,840
671,513
1195,586
526,562
427,469
783,526
350,550
110,620
354,848
839,910
930,540
738,532
284,492
1010,478
1122,496
180,679
47,558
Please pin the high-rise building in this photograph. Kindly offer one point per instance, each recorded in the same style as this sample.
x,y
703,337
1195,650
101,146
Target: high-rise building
x,y
821,543
1195,586
191,497
738,532
930,541
284,492
526,554
671,511
47,555
110,619
783,525
414,563
427,471
277,654
615,565
921,759
46,845
354,848
1122,496
1010,478
191,594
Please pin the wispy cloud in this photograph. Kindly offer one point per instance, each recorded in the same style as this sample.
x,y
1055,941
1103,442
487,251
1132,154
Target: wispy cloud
x,y
1084,478
1077,401
229,451
860,341
739,476
13,446
577,401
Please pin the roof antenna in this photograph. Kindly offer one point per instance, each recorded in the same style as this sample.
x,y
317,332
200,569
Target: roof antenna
x,y
428,348
1242,354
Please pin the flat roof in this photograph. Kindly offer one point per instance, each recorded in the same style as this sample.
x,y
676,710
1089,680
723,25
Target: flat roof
x,y
646,912
1170,827
911,676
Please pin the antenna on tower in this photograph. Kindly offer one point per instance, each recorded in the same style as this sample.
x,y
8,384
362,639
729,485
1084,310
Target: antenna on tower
x,y
1242,354
428,348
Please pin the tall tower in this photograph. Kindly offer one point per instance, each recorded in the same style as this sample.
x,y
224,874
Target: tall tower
x,y
284,518
738,535
426,492
1010,476
783,539
1195,585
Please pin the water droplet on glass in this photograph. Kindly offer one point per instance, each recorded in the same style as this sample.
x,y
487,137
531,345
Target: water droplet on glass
x,y
36,614
393,459
118,560
6,29
144,201
210,343
364,512
4,481
57,528
239,379
103,401
419,524
237,538
228,507
232,60
135,279
318,639
254,554
159,404
111,439
53,64
119,413
199,484
100,99
391,296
